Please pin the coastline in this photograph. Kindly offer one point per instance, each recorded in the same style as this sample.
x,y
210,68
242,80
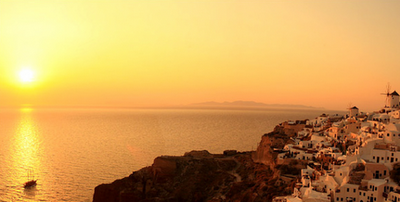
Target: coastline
x,y
201,176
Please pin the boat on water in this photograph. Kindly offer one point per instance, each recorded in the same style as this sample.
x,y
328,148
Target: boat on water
x,y
30,183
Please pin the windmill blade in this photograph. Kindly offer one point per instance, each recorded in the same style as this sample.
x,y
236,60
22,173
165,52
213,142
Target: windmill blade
x,y
387,94
349,106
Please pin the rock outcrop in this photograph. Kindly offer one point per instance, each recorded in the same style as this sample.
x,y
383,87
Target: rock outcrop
x,y
201,176
276,139
264,153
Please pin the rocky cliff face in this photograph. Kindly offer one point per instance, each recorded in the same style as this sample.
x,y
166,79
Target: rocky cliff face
x,y
201,176
276,139
264,152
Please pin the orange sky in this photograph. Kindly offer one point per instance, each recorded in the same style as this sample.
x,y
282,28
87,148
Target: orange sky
x,y
123,53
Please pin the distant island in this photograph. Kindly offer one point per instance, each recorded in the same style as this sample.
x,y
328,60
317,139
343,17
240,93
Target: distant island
x,y
249,104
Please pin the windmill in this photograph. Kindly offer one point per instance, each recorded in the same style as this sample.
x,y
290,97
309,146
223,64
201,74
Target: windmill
x,y
349,109
387,94
353,110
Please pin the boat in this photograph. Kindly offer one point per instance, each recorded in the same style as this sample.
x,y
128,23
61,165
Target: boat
x,y
30,183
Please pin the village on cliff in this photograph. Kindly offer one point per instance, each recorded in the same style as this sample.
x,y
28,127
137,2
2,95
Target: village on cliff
x,y
351,158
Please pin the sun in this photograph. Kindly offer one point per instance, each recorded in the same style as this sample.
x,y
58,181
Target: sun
x,y
26,76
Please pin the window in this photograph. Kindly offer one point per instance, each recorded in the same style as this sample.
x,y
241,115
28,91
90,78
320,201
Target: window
x,y
337,198
354,190
341,199
392,154
382,158
348,189
373,157
364,194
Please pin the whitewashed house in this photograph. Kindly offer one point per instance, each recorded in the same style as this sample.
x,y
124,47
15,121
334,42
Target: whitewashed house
x,y
347,192
354,112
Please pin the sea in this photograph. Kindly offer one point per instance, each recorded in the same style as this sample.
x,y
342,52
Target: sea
x,y
72,150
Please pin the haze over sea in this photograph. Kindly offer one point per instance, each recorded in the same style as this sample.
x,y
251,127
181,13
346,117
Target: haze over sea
x,y
73,150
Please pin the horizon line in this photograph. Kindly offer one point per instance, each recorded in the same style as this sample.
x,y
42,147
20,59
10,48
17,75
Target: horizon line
x,y
174,107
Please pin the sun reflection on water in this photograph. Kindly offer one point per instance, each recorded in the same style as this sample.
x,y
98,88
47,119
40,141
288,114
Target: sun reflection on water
x,y
24,157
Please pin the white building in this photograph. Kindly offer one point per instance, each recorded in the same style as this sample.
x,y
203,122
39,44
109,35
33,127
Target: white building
x,y
347,192
392,100
354,112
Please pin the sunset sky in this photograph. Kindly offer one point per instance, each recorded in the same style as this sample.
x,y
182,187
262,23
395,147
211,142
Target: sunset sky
x,y
131,53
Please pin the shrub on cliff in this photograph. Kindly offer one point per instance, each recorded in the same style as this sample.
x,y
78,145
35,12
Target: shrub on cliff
x,y
289,169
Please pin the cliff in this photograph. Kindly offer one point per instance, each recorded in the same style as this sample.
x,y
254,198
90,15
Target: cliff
x,y
276,139
201,176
